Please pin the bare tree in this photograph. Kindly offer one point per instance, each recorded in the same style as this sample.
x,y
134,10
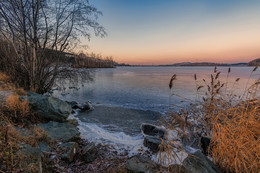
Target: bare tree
x,y
38,33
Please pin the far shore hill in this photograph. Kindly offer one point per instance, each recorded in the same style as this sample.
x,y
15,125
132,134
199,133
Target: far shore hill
x,y
255,62
206,64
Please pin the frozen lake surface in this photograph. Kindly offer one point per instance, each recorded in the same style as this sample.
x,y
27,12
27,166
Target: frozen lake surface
x,y
140,88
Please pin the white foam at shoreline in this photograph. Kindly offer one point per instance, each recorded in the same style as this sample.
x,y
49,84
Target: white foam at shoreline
x,y
120,141
132,145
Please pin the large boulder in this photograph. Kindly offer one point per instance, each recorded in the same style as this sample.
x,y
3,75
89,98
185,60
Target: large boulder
x,y
48,108
152,130
199,163
141,164
152,142
89,152
61,131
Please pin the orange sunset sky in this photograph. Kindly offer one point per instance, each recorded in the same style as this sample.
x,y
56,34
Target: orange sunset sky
x,y
168,31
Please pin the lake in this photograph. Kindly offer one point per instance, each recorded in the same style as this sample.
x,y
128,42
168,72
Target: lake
x,y
145,91
147,88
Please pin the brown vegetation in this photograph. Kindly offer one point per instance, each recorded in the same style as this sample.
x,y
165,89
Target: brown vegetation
x,y
15,113
236,145
12,107
10,143
231,121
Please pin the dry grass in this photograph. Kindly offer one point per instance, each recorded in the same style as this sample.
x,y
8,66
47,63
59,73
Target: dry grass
x,y
12,107
231,121
16,110
10,140
15,104
236,138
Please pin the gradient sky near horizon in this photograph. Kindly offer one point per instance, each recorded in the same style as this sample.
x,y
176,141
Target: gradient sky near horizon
x,y
171,31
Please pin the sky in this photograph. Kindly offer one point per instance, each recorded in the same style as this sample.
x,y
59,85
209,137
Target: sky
x,y
156,32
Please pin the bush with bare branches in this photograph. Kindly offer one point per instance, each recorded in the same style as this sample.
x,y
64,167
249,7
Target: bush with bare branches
x,y
34,36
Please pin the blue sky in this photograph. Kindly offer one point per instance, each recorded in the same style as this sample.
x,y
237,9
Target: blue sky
x,y
170,31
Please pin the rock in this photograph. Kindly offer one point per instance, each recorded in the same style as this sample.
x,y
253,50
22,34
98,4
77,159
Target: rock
x,y
152,142
199,163
61,131
48,108
71,149
89,152
87,106
178,169
152,130
44,147
33,153
141,164
204,145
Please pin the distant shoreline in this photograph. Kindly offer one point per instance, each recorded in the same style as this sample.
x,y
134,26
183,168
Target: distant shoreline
x,y
206,64
255,62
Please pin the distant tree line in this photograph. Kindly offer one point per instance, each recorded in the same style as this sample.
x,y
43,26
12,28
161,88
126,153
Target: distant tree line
x,y
93,61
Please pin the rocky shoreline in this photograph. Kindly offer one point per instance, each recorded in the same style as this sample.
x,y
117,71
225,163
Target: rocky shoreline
x,y
65,151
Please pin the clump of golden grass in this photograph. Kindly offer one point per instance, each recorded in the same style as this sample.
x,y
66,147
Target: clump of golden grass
x,y
236,138
16,110
12,107
235,145
14,103
233,123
